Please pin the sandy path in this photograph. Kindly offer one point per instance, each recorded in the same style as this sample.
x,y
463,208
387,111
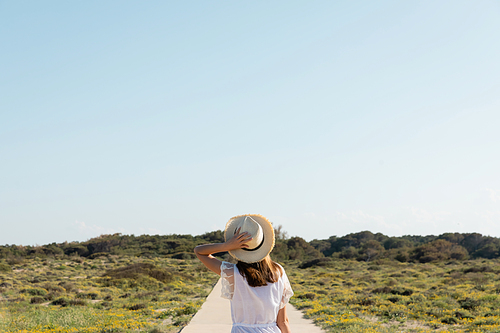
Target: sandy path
x,y
215,317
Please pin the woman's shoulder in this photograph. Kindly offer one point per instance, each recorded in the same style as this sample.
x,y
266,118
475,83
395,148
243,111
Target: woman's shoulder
x,y
227,265
227,270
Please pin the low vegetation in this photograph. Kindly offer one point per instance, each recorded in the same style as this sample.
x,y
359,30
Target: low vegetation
x,y
390,296
108,294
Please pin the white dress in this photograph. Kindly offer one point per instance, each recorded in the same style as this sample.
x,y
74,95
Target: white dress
x,y
253,309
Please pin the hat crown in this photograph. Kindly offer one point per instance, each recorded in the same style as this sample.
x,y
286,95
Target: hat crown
x,y
254,229
261,231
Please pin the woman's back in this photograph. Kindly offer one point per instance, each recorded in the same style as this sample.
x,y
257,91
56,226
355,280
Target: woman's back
x,y
254,309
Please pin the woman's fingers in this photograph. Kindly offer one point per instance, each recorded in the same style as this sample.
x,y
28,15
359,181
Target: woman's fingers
x,y
242,238
245,237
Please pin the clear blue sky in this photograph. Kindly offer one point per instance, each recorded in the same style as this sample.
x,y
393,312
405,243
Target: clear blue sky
x,y
328,117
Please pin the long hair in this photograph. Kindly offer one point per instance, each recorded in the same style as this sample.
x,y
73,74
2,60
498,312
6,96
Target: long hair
x,y
260,273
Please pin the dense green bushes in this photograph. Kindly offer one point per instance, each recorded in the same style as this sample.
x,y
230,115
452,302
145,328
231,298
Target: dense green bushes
x,y
361,246
116,244
366,246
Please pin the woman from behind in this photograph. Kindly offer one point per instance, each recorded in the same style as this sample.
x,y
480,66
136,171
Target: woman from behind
x,y
257,286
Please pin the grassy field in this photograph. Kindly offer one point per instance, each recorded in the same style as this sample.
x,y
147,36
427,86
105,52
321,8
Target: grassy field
x,y
103,295
130,294
351,296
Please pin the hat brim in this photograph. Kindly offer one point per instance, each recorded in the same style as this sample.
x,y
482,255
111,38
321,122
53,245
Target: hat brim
x,y
261,252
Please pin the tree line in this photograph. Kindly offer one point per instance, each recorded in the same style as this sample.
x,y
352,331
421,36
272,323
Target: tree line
x,y
362,246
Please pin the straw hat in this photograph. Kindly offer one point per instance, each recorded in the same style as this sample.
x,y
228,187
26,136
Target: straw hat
x,y
262,241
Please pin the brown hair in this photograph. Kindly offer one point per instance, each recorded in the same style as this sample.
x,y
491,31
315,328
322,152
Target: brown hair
x,y
260,273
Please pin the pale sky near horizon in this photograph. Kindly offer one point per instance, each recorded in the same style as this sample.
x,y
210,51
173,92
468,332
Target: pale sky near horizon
x,y
328,117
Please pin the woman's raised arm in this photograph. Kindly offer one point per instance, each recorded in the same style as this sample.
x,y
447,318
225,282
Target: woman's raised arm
x,y
204,252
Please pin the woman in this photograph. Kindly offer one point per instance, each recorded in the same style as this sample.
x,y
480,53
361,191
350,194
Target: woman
x,y
257,286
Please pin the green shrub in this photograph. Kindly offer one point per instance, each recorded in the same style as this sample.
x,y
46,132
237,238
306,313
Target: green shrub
x,y
307,296
316,262
51,296
463,314
107,305
54,288
418,298
68,286
469,303
37,300
402,291
382,290
35,291
61,301
449,320
394,299
365,301
134,272
477,269
90,295
98,255
184,255
181,321
137,307
5,267
393,314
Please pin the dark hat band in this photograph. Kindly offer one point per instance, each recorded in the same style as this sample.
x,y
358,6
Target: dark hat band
x,y
255,248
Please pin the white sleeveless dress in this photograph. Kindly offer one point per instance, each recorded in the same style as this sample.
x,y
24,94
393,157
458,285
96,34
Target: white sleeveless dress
x,y
253,309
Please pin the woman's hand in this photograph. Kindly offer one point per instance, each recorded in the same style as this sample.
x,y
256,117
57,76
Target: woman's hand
x,y
238,241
